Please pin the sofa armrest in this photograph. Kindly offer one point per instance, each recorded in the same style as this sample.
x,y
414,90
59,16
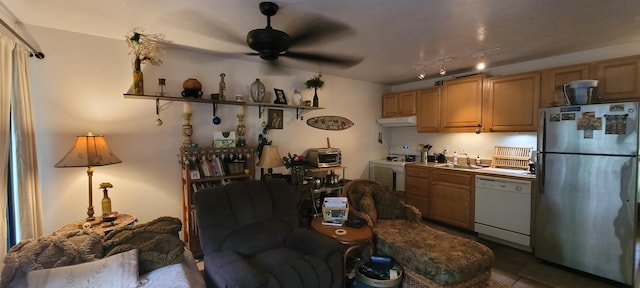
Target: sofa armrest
x,y
412,214
229,269
312,243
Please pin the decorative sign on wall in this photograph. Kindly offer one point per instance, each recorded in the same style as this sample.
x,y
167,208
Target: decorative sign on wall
x,y
329,122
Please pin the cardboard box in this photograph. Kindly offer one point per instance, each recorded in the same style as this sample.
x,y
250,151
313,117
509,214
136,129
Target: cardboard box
x,y
224,139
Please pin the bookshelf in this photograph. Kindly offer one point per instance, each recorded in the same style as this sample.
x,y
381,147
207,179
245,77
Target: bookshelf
x,y
205,167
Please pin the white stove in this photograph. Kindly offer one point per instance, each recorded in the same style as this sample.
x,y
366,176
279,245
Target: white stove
x,y
390,171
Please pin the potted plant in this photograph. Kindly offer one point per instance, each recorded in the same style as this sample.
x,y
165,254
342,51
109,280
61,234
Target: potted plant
x,y
315,83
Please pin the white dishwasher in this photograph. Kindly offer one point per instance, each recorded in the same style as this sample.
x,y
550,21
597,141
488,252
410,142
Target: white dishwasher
x,y
503,210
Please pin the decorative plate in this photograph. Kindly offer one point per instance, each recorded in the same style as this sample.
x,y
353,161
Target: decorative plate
x,y
329,122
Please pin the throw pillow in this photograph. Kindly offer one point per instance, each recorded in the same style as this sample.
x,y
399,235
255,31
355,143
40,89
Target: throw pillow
x,y
50,251
157,242
118,271
361,199
387,202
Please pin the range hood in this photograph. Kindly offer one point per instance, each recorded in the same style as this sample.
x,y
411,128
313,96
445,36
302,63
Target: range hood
x,y
409,121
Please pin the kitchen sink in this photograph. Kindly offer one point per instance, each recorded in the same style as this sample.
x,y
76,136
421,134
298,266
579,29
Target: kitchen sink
x,y
458,166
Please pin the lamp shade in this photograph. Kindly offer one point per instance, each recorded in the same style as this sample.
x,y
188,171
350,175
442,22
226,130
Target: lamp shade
x,y
88,151
270,157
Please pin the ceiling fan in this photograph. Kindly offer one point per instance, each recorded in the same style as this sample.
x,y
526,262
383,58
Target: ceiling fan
x,y
270,43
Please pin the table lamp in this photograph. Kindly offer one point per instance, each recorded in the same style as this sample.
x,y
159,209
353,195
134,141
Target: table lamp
x,y
89,151
270,158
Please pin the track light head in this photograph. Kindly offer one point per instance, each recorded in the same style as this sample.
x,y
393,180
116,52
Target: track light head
x,y
481,63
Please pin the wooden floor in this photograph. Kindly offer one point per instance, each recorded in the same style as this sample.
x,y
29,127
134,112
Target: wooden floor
x,y
520,269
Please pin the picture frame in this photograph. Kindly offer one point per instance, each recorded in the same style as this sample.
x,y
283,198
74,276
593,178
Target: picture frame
x,y
275,118
280,98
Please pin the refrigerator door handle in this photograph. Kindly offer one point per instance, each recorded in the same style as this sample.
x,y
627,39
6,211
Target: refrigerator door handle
x,y
540,171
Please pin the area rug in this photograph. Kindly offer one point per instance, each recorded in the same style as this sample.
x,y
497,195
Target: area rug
x,y
495,284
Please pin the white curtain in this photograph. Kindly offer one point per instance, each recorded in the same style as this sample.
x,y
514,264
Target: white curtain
x,y
28,184
15,100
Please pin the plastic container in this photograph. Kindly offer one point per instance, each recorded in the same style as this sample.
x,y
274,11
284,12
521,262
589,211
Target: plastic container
x,y
580,92
363,281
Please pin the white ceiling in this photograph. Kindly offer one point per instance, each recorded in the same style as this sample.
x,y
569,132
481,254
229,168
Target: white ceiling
x,y
391,37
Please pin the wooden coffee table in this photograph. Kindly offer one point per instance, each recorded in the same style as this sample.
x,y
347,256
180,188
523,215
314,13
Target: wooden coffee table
x,y
350,238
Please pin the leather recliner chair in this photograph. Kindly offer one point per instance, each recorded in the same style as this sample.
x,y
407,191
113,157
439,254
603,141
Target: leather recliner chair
x,y
250,235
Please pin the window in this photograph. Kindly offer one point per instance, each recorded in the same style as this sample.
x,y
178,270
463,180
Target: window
x,y
12,208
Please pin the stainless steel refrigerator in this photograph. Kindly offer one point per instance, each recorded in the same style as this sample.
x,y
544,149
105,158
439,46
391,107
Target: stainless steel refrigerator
x,y
587,187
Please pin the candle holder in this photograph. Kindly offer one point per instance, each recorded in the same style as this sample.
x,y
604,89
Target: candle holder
x,y
240,132
187,130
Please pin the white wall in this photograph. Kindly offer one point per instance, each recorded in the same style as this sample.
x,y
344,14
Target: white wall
x,y
79,87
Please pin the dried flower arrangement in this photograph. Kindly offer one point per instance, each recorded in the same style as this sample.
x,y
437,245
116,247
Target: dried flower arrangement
x,y
144,47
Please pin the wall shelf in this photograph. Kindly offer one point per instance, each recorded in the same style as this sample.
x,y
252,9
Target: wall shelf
x,y
261,106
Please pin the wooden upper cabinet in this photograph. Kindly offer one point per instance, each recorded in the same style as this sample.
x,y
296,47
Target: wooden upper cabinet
x,y
619,79
511,103
428,109
390,105
553,80
461,106
399,104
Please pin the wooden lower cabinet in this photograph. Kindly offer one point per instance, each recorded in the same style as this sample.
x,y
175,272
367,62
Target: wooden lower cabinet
x,y
417,188
443,195
452,198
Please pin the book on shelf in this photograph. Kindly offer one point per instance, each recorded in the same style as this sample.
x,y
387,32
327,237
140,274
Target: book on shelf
x,y
211,166
219,167
205,166
194,173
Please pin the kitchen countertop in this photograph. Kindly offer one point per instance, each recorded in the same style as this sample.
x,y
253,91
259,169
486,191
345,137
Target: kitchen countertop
x,y
501,172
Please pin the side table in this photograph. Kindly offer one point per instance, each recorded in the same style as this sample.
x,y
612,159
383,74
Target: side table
x,y
351,238
106,227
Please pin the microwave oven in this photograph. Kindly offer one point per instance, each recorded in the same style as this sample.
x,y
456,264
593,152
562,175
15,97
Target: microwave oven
x,y
324,157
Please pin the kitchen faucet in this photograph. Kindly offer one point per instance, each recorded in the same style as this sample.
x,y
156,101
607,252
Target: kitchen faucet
x,y
468,160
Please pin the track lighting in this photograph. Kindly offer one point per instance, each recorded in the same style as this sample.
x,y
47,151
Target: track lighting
x,y
421,75
479,55
481,63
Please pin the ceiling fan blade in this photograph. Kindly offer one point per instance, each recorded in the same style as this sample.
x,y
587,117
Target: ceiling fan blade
x,y
316,29
198,22
343,61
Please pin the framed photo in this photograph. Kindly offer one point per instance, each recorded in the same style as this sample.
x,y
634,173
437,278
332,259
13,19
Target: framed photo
x,y
275,118
280,99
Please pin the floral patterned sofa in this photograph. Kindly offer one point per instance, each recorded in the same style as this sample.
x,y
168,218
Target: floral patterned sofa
x,y
143,255
429,257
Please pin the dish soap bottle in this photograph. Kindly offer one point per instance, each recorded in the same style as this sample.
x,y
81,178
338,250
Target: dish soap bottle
x,y
455,158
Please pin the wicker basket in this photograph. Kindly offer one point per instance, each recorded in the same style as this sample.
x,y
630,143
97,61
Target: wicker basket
x,y
236,168
511,157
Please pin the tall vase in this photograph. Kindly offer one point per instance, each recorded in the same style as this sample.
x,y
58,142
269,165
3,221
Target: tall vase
x,y
257,91
138,81
315,97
